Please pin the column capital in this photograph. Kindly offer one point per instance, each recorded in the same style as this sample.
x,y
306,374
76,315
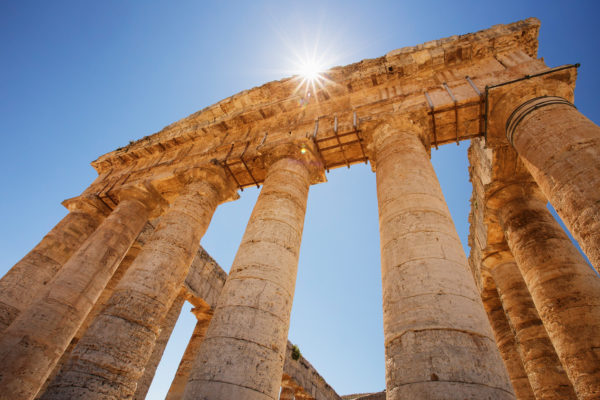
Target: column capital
x,y
503,101
511,191
301,150
497,258
526,108
87,203
203,312
145,194
212,174
393,125
385,129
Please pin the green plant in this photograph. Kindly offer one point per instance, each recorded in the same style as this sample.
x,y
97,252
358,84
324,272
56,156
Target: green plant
x,y
295,352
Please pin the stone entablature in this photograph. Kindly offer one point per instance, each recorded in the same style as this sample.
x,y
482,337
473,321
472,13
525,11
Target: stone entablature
x,y
426,83
272,101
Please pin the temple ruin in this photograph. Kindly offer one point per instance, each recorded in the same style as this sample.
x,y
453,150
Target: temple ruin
x,y
87,313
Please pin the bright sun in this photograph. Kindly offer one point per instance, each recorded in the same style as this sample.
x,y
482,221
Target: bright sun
x,y
311,76
309,60
310,70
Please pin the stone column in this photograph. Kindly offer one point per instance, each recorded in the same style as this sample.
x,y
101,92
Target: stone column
x,y
26,279
546,374
111,356
561,149
438,342
564,289
204,316
34,342
131,254
123,267
166,329
243,353
506,344
287,393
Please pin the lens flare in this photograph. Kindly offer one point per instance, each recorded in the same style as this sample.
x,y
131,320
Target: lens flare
x,y
311,49
311,75
310,70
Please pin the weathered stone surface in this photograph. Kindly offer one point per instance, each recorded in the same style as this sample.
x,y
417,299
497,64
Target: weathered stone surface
x,y
423,262
243,353
166,328
104,366
434,321
26,280
374,89
34,342
287,393
204,316
205,279
554,270
101,302
507,346
546,374
365,396
303,375
563,287
561,149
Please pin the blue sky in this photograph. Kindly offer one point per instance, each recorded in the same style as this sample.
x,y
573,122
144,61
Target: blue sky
x,y
79,79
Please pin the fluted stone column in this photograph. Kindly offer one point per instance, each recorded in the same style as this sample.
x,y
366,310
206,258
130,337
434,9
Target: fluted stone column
x,y
438,342
126,262
25,281
166,328
123,267
111,356
34,342
507,346
565,291
561,149
546,374
204,316
287,393
243,353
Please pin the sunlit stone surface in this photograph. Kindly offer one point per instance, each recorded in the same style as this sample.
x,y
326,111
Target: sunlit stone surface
x,y
95,283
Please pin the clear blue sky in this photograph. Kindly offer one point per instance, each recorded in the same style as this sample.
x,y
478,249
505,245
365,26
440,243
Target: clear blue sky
x,y
79,79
